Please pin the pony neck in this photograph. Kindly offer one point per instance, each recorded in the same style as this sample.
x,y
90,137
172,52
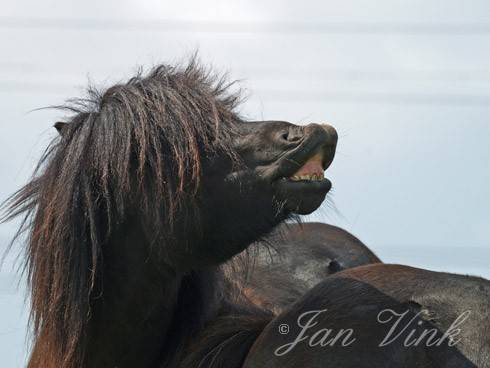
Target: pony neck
x,y
132,316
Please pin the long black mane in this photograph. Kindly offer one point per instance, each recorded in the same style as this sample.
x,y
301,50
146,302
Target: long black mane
x,y
137,145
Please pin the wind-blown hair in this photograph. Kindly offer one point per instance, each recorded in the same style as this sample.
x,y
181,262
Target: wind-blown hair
x,y
142,143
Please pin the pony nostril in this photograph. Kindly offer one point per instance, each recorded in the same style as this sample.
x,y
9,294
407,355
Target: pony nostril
x,y
290,137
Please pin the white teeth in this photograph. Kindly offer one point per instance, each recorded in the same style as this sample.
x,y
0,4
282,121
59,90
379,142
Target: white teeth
x,y
309,177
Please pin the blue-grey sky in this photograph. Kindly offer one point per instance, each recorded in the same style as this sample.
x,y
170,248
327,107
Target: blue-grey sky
x,y
406,83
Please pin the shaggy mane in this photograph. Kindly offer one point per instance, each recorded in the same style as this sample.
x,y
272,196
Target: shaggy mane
x,y
141,144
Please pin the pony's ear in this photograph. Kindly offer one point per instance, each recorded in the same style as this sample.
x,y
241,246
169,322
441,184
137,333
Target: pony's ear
x,y
60,127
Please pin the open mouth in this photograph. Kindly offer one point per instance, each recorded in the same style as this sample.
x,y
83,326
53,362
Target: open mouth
x,y
312,170
305,188
294,164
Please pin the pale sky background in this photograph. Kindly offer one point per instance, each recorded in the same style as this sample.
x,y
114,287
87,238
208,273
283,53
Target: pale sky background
x,y
406,84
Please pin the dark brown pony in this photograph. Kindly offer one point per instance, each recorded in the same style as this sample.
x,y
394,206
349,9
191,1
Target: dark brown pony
x,y
150,188
291,260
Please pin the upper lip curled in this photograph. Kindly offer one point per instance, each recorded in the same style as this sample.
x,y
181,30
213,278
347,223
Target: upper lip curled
x,y
294,160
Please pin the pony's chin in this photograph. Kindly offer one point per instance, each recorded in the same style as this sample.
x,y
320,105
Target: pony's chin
x,y
302,197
